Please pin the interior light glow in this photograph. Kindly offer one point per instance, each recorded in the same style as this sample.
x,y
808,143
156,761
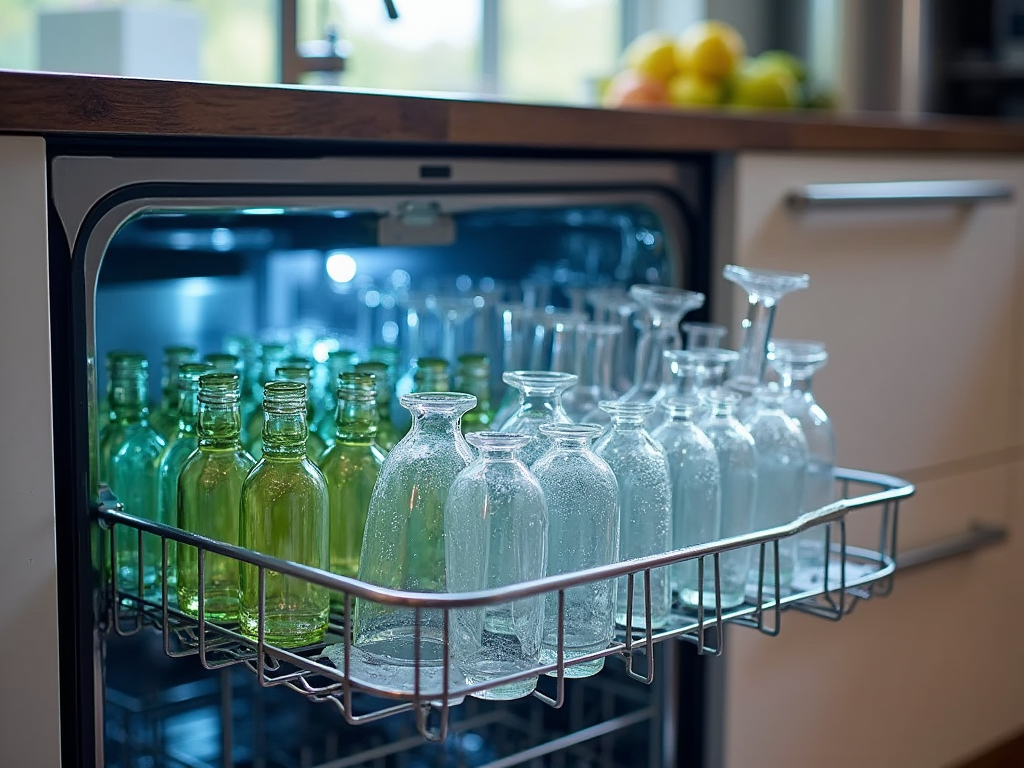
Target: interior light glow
x,y
222,239
263,211
341,267
389,332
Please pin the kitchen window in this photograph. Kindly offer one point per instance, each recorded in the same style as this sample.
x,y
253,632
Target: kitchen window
x,y
530,50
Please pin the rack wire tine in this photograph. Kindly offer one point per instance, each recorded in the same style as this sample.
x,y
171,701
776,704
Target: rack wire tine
x,y
559,699
827,576
844,598
261,626
719,633
629,612
777,605
648,635
201,600
165,614
700,606
346,642
140,574
417,631
760,588
119,629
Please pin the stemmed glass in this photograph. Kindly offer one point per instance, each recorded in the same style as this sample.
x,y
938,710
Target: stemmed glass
x,y
664,308
453,311
513,319
764,288
796,362
613,305
681,377
415,305
540,402
704,335
595,355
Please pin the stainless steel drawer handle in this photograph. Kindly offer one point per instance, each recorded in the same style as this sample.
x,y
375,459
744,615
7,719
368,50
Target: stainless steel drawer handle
x,y
979,536
897,193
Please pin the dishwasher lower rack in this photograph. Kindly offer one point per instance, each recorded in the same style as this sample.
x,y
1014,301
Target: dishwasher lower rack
x,y
851,574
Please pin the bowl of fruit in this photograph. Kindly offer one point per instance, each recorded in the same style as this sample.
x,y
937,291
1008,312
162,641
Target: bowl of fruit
x,y
707,67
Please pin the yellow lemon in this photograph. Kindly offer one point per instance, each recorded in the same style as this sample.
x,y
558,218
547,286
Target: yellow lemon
x,y
709,48
690,90
652,54
766,85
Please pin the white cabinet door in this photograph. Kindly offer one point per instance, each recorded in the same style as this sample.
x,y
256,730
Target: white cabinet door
x,y
919,307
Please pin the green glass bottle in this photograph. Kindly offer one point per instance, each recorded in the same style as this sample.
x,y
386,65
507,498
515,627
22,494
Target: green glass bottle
x,y
285,514
387,435
179,447
132,450
165,418
387,354
272,355
351,467
431,375
224,362
209,497
118,415
473,376
338,362
246,350
301,372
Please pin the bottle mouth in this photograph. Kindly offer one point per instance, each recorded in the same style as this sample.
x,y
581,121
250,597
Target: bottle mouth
x,y
767,283
540,382
498,441
637,411
284,396
770,393
683,405
219,388
722,396
571,431
599,329
439,402
717,356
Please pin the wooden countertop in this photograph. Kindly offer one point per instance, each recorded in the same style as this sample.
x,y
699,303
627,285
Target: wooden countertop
x,y
105,106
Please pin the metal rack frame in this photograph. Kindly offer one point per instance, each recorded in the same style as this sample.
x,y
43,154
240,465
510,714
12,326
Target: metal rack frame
x,y
851,574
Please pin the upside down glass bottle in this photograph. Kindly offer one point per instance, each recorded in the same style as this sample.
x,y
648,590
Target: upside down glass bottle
x,y
165,420
351,466
285,514
495,523
209,497
176,453
582,498
403,545
645,507
132,449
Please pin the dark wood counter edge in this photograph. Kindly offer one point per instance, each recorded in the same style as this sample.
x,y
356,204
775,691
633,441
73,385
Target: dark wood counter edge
x,y
40,103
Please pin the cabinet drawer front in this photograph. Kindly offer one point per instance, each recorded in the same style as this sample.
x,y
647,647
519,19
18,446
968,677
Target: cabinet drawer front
x,y
920,679
917,304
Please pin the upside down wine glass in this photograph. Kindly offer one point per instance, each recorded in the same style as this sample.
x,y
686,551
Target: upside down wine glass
x,y
664,309
595,356
540,402
764,288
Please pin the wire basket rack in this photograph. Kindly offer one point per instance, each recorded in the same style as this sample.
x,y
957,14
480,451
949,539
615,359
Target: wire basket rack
x,y
851,574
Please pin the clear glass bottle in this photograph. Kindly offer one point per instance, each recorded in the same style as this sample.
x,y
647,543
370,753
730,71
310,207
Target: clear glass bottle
x,y
209,496
473,377
583,532
796,363
272,354
338,362
285,514
764,287
613,305
132,472
431,375
595,356
714,366
645,506
737,463
540,402
351,466
696,509
165,419
703,335
496,524
387,434
403,546
176,453
414,305
781,467
664,309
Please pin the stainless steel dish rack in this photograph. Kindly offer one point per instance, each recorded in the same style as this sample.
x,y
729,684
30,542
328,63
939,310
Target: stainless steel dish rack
x,y
852,574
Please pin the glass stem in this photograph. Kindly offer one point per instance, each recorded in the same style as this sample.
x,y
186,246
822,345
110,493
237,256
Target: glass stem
x,y
603,360
757,329
651,344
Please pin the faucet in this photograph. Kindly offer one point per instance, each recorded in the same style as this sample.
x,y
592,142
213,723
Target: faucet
x,y
327,55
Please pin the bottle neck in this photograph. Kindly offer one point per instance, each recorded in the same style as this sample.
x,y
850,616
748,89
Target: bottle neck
x,y
219,426
496,455
356,420
188,409
436,424
572,444
128,401
534,402
479,387
631,424
757,329
284,434
597,371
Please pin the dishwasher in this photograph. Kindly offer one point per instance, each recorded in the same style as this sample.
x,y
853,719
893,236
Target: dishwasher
x,y
400,256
